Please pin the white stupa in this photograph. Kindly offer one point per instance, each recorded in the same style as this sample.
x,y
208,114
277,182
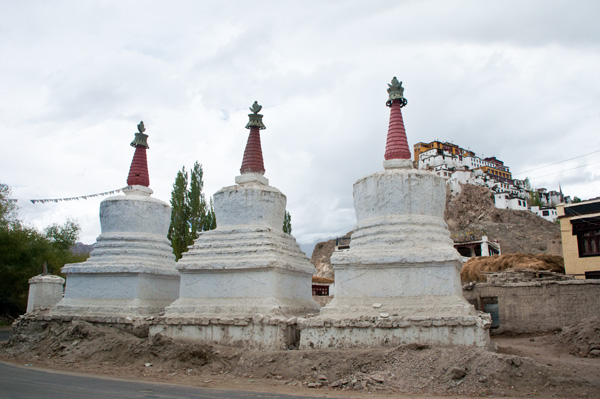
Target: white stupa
x,y
247,265
399,282
131,270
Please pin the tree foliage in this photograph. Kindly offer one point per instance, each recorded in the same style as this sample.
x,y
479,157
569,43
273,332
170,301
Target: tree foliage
x,y
23,252
576,200
196,204
179,229
63,237
210,222
535,199
190,214
8,209
287,223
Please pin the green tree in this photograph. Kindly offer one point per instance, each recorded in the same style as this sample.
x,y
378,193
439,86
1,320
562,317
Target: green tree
x,y
23,252
189,214
196,203
210,222
64,236
8,209
576,200
534,199
287,223
179,228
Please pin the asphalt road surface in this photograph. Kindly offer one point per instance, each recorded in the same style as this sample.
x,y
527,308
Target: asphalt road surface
x,y
4,334
24,383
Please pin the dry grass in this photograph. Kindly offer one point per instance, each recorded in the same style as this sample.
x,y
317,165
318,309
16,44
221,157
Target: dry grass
x,y
474,267
321,280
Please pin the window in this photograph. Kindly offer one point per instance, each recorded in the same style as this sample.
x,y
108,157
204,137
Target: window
x,y
545,213
320,290
587,231
589,243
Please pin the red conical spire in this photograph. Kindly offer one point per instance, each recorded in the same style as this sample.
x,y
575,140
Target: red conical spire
x,y
396,146
253,158
138,171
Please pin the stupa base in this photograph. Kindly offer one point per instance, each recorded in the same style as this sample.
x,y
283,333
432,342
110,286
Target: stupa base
x,y
118,294
371,332
256,332
378,322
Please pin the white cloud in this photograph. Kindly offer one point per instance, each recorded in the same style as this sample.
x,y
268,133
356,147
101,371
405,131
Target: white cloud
x,y
510,79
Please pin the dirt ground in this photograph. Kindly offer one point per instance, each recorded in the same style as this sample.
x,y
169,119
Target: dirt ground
x,y
523,366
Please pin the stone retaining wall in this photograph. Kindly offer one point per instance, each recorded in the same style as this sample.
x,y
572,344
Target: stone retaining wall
x,y
279,333
538,306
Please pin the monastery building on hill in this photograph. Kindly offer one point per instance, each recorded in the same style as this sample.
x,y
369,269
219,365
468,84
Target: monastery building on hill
x,y
461,166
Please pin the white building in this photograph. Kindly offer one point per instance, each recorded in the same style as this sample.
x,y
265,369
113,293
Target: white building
x,y
459,166
505,200
548,213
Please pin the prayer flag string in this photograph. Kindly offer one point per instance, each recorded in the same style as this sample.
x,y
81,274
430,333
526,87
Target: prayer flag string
x,y
84,197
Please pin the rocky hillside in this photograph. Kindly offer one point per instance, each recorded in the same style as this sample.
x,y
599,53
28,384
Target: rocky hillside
x,y
321,257
473,212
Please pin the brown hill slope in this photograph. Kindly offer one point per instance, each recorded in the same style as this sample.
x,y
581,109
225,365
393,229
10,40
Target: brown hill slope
x,y
473,210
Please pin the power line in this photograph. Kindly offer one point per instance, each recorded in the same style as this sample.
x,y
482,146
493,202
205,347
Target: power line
x,y
556,163
577,167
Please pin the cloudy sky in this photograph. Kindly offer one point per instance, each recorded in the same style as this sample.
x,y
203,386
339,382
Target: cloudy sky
x,y
513,79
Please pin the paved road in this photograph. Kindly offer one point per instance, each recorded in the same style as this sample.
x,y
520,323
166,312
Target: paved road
x,y
23,383
4,334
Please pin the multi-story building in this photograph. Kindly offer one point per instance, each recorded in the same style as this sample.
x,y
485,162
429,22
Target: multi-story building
x,y
509,201
449,148
545,212
460,166
496,168
580,230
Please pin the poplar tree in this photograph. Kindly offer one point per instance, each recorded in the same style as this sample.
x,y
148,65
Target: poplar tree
x,y
190,214
196,203
287,223
179,227
210,222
